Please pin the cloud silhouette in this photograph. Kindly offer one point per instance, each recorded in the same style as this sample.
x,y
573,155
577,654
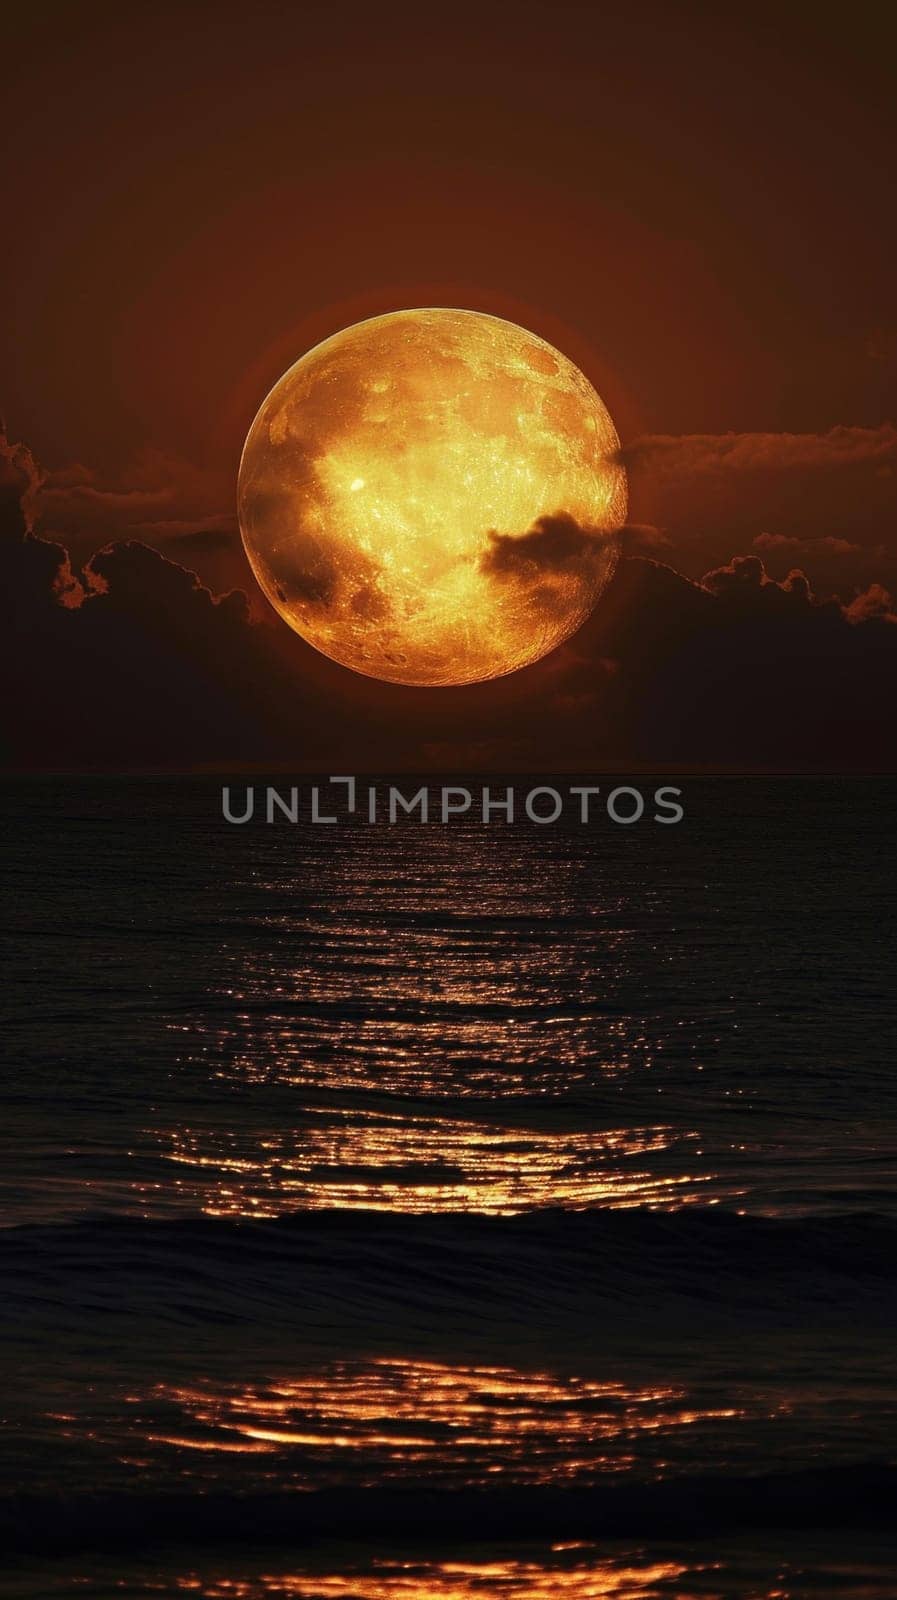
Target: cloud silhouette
x,y
817,493
874,602
554,543
131,661
747,576
829,545
700,454
741,671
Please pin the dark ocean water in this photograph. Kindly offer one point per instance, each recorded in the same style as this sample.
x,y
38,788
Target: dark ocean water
x,y
449,1211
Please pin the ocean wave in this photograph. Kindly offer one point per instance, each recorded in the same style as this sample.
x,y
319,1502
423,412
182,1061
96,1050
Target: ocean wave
x,y
424,1272
861,1496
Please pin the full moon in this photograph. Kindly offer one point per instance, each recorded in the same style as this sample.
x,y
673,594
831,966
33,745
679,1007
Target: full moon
x,y
432,497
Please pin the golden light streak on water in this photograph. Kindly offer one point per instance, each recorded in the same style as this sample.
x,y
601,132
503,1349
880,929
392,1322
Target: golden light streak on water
x,y
390,1419
411,1163
592,1578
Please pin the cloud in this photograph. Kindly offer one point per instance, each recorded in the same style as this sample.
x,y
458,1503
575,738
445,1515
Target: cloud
x,y
36,572
830,546
159,499
133,661
637,537
553,544
129,571
828,498
149,484
554,559
747,576
156,497
841,567
20,482
876,601
130,661
740,671
727,454
208,536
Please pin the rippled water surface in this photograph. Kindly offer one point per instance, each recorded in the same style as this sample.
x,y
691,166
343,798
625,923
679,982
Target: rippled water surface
x,y
253,1020
576,1570
380,1159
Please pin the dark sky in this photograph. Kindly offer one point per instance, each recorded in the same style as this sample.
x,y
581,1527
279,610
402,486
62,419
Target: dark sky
x,y
695,206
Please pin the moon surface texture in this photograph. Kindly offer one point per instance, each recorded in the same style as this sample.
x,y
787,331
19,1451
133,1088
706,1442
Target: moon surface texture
x,y
432,497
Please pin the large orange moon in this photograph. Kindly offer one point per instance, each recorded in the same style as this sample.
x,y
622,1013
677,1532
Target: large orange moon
x,y
432,497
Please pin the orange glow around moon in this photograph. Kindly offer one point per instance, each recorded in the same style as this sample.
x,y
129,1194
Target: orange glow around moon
x,y
432,497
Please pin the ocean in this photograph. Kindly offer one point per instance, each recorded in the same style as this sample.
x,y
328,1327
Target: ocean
x,y
449,1211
